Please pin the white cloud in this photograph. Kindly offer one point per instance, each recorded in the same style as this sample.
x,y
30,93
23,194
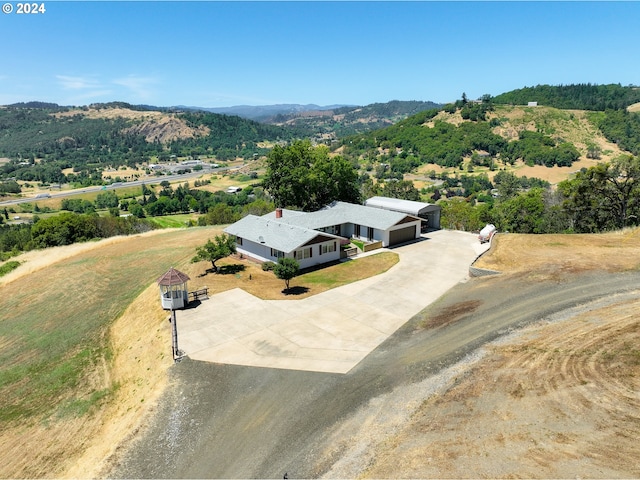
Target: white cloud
x,y
78,83
139,86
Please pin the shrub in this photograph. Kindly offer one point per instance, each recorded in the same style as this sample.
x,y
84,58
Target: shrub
x,y
268,266
9,266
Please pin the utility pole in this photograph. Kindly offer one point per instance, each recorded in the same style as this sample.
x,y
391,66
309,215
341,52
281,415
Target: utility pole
x,y
177,354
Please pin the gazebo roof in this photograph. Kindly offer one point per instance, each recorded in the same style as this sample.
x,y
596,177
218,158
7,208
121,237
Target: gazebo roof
x,y
173,277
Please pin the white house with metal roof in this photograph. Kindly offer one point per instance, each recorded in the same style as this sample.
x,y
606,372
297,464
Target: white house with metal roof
x,y
313,238
429,212
266,239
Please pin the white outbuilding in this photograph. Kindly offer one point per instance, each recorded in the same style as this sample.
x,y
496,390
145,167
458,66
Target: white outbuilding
x,y
429,213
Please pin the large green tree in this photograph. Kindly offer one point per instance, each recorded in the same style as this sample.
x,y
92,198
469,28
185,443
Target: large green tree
x,y
605,196
307,177
222,246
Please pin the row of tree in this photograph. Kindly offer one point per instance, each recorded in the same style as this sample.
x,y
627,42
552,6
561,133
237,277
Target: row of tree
x,y
218,207
581,96
65,229
600,198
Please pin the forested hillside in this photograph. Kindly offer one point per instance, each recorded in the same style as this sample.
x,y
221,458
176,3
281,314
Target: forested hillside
x,y
583,96
41,142
484,131
447,139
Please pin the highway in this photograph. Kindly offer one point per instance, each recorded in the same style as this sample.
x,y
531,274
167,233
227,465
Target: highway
x,y
115,186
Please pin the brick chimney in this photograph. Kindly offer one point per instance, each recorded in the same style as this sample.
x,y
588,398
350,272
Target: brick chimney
x,y
278,212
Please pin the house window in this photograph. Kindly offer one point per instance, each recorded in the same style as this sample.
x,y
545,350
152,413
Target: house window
x,y
277,253
357,230
303,253
329,248
238,240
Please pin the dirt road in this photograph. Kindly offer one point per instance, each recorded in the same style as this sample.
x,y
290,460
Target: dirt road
x,y
224,421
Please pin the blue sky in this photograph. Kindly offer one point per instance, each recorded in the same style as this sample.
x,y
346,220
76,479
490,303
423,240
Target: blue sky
x,y
215,54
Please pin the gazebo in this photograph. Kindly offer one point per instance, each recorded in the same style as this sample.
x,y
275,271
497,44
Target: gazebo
x,y
173,289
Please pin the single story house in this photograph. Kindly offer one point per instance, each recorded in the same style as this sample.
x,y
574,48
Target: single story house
x,y
267,240
313,238
428,212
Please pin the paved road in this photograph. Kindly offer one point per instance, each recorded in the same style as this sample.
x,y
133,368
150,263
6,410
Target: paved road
x,y
232,421
115,186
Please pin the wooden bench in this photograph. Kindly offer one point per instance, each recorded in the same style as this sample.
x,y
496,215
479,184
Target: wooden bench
x,y
203,292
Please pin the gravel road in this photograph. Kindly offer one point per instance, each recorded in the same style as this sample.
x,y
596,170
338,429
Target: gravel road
x,y
226,421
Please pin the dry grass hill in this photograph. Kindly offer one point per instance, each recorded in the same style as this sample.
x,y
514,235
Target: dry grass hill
x,y
572,126
573,371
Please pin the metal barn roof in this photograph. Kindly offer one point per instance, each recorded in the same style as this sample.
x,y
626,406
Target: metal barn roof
x,y
405,206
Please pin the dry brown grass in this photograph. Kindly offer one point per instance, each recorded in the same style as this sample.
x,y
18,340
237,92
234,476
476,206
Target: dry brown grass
x,y
561,401
558,400
140,341
111,113
634,108
555,253
50,445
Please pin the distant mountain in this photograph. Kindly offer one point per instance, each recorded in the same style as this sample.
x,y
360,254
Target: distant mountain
x,y
331,124
262,112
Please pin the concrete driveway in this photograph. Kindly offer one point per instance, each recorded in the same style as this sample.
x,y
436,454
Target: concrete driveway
x,y
336,329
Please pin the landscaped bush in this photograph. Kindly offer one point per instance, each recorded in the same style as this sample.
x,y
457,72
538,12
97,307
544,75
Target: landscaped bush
x,y
268,266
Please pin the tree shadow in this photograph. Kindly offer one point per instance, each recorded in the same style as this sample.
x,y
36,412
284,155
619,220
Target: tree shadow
x,y
295,290
231,269
224,270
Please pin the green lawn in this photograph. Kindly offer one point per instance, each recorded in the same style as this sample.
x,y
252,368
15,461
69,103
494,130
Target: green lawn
x,y
174,221
348,272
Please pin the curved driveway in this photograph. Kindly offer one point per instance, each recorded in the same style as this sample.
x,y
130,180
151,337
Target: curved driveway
x,y
233,421
334,330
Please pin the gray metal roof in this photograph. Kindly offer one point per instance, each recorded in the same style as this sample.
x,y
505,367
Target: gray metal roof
x,y
273,233
338,213
405,206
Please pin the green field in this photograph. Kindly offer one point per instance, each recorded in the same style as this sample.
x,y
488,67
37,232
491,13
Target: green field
x,y
175,221
54,320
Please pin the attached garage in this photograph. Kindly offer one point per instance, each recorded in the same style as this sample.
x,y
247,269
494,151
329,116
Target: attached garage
x,y
428,212
402,235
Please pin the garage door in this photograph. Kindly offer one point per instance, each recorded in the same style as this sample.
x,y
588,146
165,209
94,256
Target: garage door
x,y
402,235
